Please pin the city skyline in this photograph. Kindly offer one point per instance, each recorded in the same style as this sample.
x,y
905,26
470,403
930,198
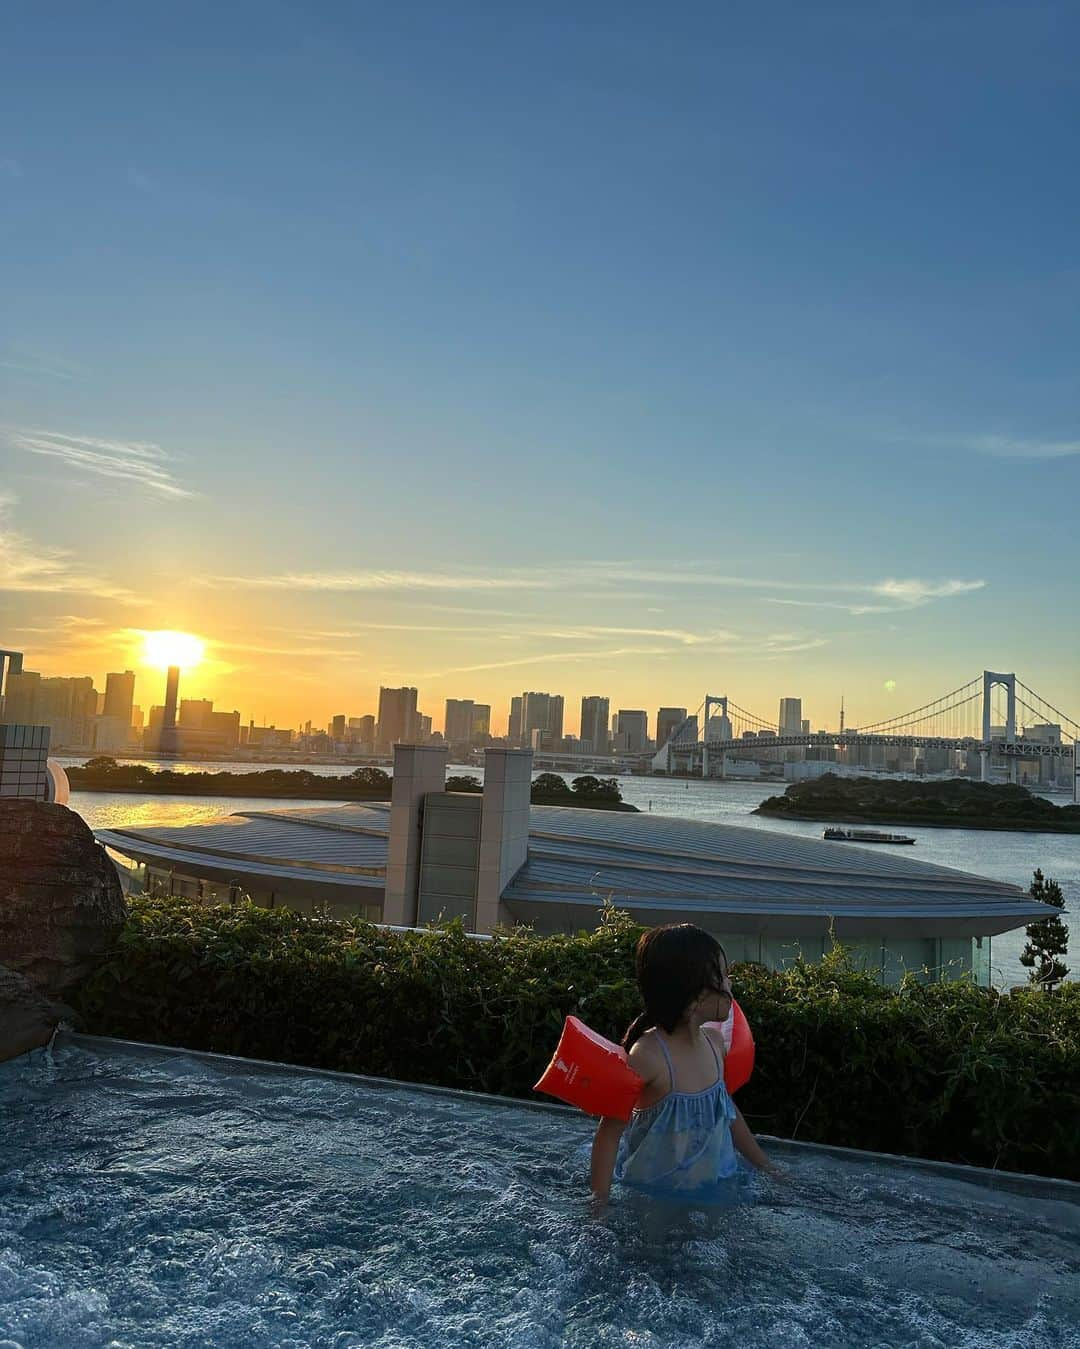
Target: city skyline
x,y
747,368
534,719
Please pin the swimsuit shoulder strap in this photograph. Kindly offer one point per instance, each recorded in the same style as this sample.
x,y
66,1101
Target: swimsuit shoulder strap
x,y
667,1057
716,1056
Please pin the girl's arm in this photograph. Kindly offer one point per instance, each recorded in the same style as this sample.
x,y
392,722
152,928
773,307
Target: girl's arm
x,y
604,1151
646,1061
747,1145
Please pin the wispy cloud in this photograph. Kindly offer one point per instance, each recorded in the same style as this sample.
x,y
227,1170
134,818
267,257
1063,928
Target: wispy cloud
x,y
386,580
900,594
679,635
26,566
913,592
769,647
612,578
549,657
35,365
1016,447
141,463
997,446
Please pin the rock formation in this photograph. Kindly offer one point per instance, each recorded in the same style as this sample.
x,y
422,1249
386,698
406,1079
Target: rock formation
x,y
27,1020
61,905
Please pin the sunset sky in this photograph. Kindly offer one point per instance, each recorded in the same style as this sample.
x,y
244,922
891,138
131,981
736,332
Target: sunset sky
x,y
622,349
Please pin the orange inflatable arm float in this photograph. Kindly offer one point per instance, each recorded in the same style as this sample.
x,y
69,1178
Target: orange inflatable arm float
x,y
594,1074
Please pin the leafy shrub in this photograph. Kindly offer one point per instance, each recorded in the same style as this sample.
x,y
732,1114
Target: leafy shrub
x,y
942,1070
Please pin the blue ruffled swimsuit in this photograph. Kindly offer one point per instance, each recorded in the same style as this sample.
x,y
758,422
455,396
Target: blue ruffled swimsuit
x,y
681,1148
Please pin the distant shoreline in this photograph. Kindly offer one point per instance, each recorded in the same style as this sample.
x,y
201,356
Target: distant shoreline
x,y
956,803
841,817
287,785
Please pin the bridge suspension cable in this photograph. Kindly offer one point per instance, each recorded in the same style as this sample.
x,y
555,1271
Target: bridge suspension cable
x,y
1066,722
938,707
750,718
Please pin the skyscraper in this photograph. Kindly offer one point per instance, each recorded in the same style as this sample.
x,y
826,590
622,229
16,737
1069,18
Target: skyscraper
x,y
719,728
542,720
337,728
632,730
458,721
667,719
119,696
595,720
790,716
481,725
513,730
397,718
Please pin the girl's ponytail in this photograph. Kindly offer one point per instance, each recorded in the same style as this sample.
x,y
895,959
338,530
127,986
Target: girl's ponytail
x,y
636,1030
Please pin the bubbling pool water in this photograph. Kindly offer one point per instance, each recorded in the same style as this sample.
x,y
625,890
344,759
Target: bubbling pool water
x,y
154,1199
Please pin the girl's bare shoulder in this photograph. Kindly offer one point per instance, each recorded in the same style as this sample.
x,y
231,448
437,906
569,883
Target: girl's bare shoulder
x,y
647,1058
715,1035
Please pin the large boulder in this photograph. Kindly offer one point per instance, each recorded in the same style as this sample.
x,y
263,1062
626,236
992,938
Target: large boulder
x,y
61,905
27,1020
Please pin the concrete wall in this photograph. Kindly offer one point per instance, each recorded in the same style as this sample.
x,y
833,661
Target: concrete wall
x,y
504,831
418,770
449,858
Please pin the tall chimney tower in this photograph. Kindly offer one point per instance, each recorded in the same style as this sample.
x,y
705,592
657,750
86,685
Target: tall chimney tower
x,y
167,744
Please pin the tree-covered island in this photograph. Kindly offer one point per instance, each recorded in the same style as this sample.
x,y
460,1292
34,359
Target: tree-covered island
x,y
103,774
957,803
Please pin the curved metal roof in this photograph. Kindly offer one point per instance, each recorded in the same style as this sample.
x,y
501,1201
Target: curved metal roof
x,y
577,858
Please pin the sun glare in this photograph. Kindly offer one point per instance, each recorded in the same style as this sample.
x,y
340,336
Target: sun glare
x,y
167,648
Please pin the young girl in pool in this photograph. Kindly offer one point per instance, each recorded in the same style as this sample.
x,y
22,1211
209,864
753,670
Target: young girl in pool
x,y
686,1136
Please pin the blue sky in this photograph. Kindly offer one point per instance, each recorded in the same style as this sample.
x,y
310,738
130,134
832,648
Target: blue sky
x,y
596,349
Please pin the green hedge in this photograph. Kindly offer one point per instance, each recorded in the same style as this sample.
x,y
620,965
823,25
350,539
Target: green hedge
x,y
942,1070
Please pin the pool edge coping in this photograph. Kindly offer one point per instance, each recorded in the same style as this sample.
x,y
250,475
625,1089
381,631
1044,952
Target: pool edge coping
x,y
1015,1182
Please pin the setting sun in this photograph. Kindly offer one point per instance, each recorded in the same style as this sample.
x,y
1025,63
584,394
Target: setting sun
x,y
167,648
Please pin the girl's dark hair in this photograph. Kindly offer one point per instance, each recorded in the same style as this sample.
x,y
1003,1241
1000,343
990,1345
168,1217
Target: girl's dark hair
x,y
674,966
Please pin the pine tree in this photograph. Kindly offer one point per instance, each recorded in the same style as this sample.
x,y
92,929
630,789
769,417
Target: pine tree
x,y
1046,939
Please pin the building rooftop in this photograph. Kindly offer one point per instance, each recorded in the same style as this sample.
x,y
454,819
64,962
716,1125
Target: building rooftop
x,y
660,868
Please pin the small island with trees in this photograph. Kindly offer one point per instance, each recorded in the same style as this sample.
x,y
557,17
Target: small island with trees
x,y
957,803
104,774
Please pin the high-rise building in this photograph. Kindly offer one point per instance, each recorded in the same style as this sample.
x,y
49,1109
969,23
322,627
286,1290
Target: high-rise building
x,y
481,725
513,730
10,663
719,728
595,720
790,722
337,728
195,713
631,729
423,728
397,718
806,725
167,741
668,719
21,697
362,730
67,706
542,720
227,726
119,695
458,721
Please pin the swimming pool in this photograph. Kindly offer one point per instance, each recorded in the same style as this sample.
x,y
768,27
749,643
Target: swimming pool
x,y
150,1198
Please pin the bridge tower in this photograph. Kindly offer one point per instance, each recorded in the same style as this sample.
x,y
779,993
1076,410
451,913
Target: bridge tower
x,y
992,679
711,701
